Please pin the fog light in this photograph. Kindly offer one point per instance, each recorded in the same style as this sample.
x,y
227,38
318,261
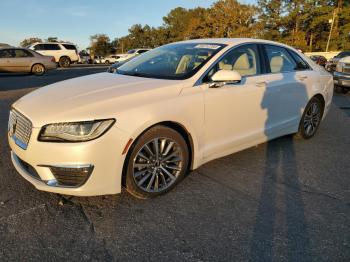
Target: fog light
x,y
70,176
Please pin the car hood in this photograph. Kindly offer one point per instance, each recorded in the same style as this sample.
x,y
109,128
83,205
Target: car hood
x,y
96,96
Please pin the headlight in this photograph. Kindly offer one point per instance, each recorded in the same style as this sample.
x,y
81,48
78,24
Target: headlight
x,y
339,67
75,131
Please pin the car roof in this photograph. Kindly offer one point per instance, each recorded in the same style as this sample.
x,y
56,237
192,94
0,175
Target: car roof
x,y
12,47
232,41
62,43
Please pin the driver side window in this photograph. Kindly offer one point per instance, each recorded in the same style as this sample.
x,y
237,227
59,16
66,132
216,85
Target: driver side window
x,y
243,59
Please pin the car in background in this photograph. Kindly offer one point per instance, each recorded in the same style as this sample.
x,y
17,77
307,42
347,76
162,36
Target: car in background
x,y
164,113
132,53
98,60
319,59
341,75
332,63
24,60
112,58
64,53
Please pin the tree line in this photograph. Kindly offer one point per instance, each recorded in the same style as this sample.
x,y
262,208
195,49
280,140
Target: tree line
x,y
305,24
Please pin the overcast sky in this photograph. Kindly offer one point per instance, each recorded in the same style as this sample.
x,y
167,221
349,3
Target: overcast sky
x,y
77,20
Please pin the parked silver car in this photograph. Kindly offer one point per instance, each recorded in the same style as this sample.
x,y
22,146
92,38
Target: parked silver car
x,y
14,59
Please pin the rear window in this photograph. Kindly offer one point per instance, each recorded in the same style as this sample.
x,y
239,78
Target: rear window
x,y
70,47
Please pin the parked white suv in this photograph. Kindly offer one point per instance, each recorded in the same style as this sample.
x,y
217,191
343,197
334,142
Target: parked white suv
x,y
64,53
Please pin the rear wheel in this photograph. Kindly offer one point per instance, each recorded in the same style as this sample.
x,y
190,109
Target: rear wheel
x,y
156,163
38,69
107,62
311,118
64,61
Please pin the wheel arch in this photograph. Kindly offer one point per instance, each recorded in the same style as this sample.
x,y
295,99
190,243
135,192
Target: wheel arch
x,y
181,129
323,101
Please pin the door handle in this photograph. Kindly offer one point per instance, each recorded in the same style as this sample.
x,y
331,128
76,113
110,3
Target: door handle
x,y
302,78
261,83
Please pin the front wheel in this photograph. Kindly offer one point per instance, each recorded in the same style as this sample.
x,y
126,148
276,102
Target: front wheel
x,y
157,162
311,119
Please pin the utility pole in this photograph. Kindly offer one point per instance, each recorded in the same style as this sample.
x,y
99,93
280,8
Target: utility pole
x,y
330,32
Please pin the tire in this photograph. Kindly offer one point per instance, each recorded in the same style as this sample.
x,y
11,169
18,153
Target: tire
x,y
38,69
64,61
311,118
107,62
148,177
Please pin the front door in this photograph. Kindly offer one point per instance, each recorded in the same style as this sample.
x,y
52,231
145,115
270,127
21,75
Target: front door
x,y
234,113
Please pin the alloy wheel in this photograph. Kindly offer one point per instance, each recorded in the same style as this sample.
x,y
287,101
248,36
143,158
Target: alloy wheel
x,y
312,119
157,165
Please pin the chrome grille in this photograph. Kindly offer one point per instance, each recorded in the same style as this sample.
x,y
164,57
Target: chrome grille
x,y
19,128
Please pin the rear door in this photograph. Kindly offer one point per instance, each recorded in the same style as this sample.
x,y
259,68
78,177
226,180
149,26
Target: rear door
x,y
22,60
286,91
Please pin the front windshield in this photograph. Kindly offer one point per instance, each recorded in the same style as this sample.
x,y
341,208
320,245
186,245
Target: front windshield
x,y
174,61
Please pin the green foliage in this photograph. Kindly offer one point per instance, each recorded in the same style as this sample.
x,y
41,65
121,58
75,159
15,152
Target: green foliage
x,y
100,45
300,23
28,41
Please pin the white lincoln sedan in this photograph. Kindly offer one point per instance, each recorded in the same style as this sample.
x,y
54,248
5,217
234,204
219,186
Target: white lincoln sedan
x,y
164,113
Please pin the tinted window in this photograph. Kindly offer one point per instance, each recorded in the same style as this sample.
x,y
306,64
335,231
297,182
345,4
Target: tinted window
x,y
343,54
70,47
47,47
131,51
19,53
5,53
141,51
39,47
301,64
279,59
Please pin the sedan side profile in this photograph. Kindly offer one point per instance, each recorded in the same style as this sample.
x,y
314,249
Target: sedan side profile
x,y
168,111
22,60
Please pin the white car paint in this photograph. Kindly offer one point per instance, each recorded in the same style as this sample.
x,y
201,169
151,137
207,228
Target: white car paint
x,y
57,54
220,121
136,53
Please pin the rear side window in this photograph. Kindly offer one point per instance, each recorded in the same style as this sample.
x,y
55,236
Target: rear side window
x,y
279,59
69,47
19,53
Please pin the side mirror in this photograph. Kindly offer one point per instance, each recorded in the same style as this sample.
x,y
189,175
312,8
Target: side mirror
x,y
222,77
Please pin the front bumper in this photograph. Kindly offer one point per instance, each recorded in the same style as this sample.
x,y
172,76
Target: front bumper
x,y
104,154
341,79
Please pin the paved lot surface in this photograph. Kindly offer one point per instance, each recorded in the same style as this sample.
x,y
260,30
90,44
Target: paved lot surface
x,y
287,200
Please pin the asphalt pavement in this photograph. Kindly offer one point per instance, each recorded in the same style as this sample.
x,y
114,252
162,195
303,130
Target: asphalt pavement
x,y
286,200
